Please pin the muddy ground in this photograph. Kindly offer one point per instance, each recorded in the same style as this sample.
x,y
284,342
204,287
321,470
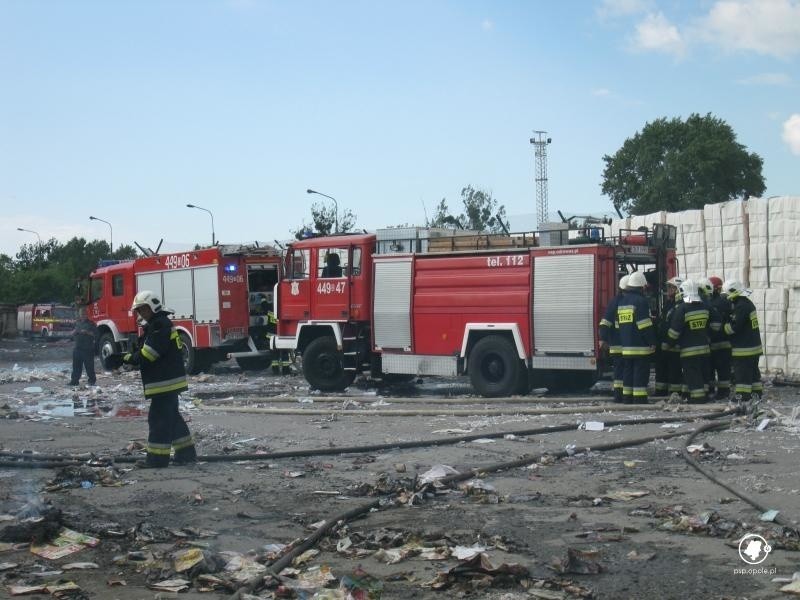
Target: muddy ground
x,y
637,522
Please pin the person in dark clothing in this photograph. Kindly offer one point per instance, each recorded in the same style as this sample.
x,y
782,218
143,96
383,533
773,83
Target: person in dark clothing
x,y
85,337
667,358
720,344
689,329
745,337
637,337
332,265
609,338
160,358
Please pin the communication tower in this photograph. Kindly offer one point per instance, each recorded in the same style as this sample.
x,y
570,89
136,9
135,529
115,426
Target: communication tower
x,y
540,152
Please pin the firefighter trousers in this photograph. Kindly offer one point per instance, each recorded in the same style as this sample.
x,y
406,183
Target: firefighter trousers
x,y
168,430
662,371
721,372
619,374
747,377
82,359
694,377
635,379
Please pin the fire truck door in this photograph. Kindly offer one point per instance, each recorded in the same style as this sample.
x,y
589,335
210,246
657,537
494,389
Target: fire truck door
x,y
293,288
330,296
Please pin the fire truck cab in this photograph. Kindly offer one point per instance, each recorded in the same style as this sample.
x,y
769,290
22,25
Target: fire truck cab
x,y
221,300
509,312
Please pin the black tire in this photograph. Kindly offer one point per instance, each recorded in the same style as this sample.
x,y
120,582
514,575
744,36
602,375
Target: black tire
x,y
190,356
493,367
105,348
254,363
322,366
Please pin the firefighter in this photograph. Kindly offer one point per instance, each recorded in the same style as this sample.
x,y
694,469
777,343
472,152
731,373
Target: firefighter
x,y
609,338
689,327
637,337
705,289
745,337
85,338
669,378
160,359
720,344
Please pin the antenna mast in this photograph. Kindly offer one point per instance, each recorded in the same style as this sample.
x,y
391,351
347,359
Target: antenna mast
x,y
540,152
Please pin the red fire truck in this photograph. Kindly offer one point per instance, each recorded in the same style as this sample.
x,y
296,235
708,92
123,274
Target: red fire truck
x,y
507,317
221,298
48,320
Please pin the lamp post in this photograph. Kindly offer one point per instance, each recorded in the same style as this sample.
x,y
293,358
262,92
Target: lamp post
x,y
31,231
110,229
335,207
213,239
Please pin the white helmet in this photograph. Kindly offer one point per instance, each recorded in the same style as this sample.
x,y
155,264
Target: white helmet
x,y
637,280
689,291
675,282
146,298
734,289
623,282
705,286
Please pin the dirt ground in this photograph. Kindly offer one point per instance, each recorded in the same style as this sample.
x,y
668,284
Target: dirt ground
x,y
634,523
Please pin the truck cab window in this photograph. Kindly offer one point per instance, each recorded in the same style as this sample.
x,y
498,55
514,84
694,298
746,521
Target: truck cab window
x,y
332,262
355,267
117,286
299,264
96,290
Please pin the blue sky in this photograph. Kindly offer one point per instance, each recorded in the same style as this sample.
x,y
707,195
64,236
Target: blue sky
x,y
130,110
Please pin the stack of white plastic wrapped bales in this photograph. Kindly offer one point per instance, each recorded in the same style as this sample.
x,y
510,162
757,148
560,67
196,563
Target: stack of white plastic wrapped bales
x,y
757,242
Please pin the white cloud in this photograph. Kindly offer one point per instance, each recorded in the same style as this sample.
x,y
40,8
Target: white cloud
x,y
766,79
601,92
770,27
487,25
611,9
791,133
657,34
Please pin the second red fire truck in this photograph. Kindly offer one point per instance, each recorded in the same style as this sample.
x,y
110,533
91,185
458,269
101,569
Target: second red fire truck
x,y
221,298
507,317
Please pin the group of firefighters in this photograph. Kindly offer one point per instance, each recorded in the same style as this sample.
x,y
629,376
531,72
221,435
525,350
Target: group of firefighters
x,y
706,335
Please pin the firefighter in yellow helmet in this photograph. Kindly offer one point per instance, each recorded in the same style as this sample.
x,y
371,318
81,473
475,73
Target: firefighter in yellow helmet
x,y
160,358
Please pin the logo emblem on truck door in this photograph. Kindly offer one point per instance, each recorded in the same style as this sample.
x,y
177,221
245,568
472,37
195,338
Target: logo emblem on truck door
x,y
295,291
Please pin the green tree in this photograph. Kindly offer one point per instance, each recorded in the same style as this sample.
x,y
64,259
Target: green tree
x,y
676,165
323,221
481,212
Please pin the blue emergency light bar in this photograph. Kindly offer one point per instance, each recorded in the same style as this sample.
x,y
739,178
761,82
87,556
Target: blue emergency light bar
x,y
232,268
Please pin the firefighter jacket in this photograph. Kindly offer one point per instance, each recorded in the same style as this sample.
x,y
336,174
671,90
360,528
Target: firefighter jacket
x,y
689,328
719,339
667,344
637,335
609,328
160,357
743,330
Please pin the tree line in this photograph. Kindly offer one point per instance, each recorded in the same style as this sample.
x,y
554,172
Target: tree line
x,y
51,271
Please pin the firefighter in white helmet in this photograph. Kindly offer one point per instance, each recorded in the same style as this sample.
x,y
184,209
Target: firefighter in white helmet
x,y
609,338
637,337
159,356
689,329
745,337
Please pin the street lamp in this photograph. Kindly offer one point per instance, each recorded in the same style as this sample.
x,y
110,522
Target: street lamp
x,y
31,231
213,240
111,229
335,206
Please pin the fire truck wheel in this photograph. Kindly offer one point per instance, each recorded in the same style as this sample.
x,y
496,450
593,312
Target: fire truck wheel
x,y
106,347
322,366
494,367
190,359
